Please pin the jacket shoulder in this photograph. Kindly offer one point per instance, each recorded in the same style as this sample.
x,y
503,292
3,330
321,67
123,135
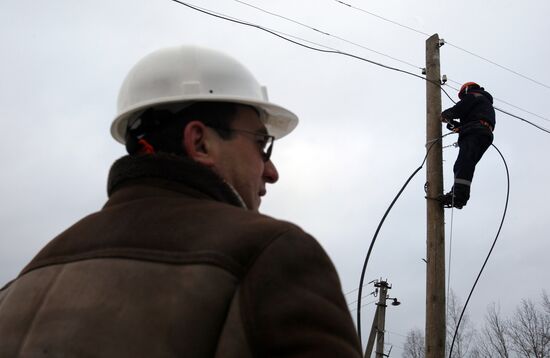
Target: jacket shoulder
x,y
291,297
168,229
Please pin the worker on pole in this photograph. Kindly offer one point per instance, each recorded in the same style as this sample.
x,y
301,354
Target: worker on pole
x,y
475,134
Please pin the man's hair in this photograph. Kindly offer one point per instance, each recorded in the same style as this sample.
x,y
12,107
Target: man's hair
x,y
163,129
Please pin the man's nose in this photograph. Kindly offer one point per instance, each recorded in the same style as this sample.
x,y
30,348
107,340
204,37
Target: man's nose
x,y
270,174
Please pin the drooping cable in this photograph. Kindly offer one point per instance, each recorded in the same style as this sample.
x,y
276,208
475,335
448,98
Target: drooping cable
x,y
498,65
522,109
333,51
450,252
523,119
208,12
448,43
326,33
488,255
354,301
450,247
363,305
364,269
382,18
501,100
510,114
354,290
278,34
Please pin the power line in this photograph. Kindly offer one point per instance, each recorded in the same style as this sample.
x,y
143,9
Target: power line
x,y
396,59
397,334
383,18
364,269
490,251
524,110
408,180
363,305
523,119
278,34
330,50
369,49
498,65
449,43
510,114
450,253
352,302
355,289
264,28
326,33
503,101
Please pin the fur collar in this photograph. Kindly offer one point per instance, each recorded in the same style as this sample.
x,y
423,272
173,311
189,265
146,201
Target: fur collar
x,y
173,168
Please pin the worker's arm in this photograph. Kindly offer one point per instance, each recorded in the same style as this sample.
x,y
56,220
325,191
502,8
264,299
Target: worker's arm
x,y
292,303
460,109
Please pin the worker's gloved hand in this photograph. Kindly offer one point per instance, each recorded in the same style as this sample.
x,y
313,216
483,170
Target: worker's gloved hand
x,y
453,125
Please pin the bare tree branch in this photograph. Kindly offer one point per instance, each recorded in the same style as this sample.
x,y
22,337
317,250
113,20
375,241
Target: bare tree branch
x,y
466,331
414,345
493,338
530,331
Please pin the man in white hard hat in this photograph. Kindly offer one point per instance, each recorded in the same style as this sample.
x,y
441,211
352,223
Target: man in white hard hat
x,y
179,263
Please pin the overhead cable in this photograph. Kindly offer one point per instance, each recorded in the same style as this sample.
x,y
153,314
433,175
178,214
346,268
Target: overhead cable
x,y
397,334
279,34
498,65
501,100
508,113
208,12
264,28
365,296
329,50
364,269
363,305
383,18
490,251
450,254
448,43
326,33
523,119
355,289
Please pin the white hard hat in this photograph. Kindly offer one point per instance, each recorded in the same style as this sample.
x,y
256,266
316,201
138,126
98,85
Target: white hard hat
x,y
186,74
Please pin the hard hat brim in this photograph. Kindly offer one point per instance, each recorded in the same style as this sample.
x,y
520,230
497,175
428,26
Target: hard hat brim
x,y
278,120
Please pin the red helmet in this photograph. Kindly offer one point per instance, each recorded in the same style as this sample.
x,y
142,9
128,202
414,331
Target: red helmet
x,y
466,88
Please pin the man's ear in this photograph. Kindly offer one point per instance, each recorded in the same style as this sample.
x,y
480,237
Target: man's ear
x,y
197,141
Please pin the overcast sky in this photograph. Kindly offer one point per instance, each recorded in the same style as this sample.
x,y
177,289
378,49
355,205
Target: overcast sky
x,y
361,131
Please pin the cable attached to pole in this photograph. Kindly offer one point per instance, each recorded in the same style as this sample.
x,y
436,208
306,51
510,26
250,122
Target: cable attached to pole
x,y
278,34
364,269
334,51
488,255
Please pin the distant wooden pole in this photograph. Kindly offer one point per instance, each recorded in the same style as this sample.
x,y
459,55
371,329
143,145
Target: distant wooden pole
x,y
435,273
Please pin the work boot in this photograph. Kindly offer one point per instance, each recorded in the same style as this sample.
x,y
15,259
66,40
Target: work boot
x,y
457,197
462,194
448,201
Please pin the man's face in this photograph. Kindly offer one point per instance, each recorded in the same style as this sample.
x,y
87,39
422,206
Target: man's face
x,y
239,159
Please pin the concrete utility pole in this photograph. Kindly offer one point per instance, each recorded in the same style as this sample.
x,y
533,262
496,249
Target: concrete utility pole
x,y
379,321
372,336
381,325
435,273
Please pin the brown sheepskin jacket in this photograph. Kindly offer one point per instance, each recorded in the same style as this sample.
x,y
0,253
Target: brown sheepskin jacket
x,y
173,266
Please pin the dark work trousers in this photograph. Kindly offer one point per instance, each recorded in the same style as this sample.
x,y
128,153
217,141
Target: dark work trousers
x,y
473,141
